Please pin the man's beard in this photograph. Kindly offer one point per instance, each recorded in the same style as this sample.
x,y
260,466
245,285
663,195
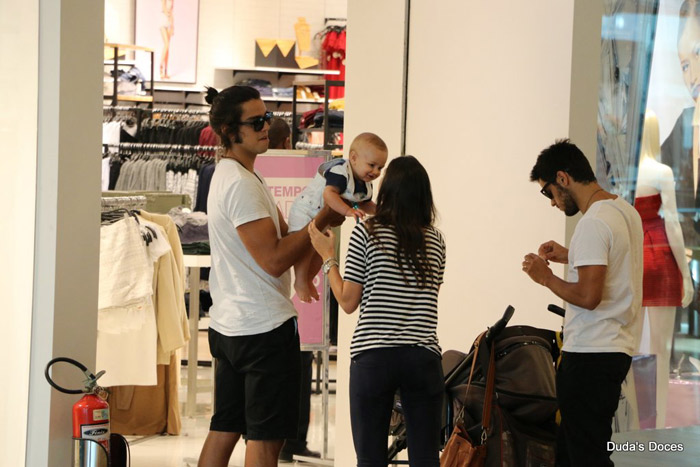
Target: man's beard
x,y
570,207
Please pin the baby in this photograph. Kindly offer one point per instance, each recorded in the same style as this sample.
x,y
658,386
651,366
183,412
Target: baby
x,y
345,185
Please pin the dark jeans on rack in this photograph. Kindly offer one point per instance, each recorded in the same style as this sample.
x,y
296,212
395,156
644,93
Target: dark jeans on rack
x,y
375,375
588,393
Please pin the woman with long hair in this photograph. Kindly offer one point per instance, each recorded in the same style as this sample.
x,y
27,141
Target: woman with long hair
x,y
393,271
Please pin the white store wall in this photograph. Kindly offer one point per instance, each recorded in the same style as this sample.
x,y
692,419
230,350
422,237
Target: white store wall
x,y
19,24
500,96
489,86
374,96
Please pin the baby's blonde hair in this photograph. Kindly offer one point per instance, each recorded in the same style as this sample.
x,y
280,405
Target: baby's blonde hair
x,y
368,138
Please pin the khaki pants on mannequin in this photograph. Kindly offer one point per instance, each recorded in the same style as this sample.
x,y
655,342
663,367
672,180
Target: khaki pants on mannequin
x,y
661,322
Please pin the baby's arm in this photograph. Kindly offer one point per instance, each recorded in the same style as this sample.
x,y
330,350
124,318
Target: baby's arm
x,y
332,198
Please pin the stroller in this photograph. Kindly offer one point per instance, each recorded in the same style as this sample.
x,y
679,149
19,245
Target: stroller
x,y
522,429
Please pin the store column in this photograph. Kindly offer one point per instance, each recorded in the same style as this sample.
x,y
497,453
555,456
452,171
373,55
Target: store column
x,y
375,84
64,309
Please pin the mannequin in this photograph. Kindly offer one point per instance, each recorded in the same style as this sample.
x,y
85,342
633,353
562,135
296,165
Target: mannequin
x,y
667,281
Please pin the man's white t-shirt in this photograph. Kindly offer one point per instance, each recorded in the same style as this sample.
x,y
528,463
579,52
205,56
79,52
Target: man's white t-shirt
x,y
610,234
246,299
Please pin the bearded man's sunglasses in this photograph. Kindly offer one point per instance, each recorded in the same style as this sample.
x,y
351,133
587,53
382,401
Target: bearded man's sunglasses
x,y
548,194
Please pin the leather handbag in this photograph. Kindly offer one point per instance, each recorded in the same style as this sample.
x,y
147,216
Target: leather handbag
x,y
460,450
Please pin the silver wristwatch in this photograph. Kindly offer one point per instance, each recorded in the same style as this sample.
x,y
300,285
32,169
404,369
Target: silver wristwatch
x,y
328,264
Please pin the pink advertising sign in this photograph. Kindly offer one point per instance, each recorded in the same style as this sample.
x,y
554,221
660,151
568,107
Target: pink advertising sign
x,y
287,176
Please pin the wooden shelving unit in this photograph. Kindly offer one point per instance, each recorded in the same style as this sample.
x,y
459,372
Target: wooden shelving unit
x,y
115,63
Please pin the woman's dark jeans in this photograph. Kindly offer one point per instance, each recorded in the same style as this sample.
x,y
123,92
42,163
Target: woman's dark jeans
x,y
375,375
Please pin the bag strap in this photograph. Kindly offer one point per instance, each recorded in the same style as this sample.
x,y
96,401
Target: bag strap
x,y
460,415
488,395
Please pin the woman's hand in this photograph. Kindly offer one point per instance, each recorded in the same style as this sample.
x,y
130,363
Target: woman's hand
x,y
323,243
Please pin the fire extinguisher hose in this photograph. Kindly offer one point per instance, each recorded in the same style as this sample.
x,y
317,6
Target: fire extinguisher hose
x,y
90,382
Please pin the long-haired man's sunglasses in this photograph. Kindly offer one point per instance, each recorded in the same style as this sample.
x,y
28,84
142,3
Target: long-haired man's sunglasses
x,y
258,122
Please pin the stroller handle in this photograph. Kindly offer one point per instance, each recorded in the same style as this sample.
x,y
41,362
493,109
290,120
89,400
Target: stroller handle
x,y
496,329
557,310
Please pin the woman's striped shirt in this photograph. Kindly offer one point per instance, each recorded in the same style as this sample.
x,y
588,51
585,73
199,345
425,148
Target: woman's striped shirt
x,y
392,312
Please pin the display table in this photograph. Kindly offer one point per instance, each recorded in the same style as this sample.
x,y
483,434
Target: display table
x,y
195,263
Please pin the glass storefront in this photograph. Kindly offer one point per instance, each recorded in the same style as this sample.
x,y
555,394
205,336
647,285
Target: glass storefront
x,y
648,153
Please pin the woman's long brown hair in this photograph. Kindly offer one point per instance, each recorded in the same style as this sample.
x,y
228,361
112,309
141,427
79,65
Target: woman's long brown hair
x,y
405,204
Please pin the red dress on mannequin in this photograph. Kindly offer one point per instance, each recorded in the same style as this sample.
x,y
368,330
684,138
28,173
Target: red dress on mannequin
x,y
663,285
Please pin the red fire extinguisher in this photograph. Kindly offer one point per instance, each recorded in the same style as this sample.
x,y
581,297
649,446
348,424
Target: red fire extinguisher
x,y
91,412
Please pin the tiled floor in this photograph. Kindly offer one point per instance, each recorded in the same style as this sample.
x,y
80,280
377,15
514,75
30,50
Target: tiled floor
x,y
183,450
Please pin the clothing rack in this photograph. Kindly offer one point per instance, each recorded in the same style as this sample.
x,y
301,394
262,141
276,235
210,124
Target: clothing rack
x,y
110,112
155,110
326,20
163,147
178,111
301,145
142,113
119,108
141,110
123,202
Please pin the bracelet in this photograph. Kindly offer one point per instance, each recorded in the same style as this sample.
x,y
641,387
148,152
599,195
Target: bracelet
x,y
328,264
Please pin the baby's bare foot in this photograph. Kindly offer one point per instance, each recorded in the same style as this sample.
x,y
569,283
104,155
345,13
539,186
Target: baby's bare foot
x,y
312,290
303,292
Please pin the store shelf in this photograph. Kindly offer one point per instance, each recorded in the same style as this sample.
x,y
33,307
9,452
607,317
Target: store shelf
x,y
130,98
310,82
281,71
128,46
164,95
115,62
190,91
314,130
180,103
178,89
289,100
121,62
326,129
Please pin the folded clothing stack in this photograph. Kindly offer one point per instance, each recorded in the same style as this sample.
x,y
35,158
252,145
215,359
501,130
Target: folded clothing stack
x,y
263,86
335,119
191,226
283,92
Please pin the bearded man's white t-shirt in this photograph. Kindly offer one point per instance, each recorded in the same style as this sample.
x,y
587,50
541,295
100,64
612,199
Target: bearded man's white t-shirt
x,y
609,234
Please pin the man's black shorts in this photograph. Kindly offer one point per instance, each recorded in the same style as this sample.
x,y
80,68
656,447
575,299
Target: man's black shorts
x,y
257,383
